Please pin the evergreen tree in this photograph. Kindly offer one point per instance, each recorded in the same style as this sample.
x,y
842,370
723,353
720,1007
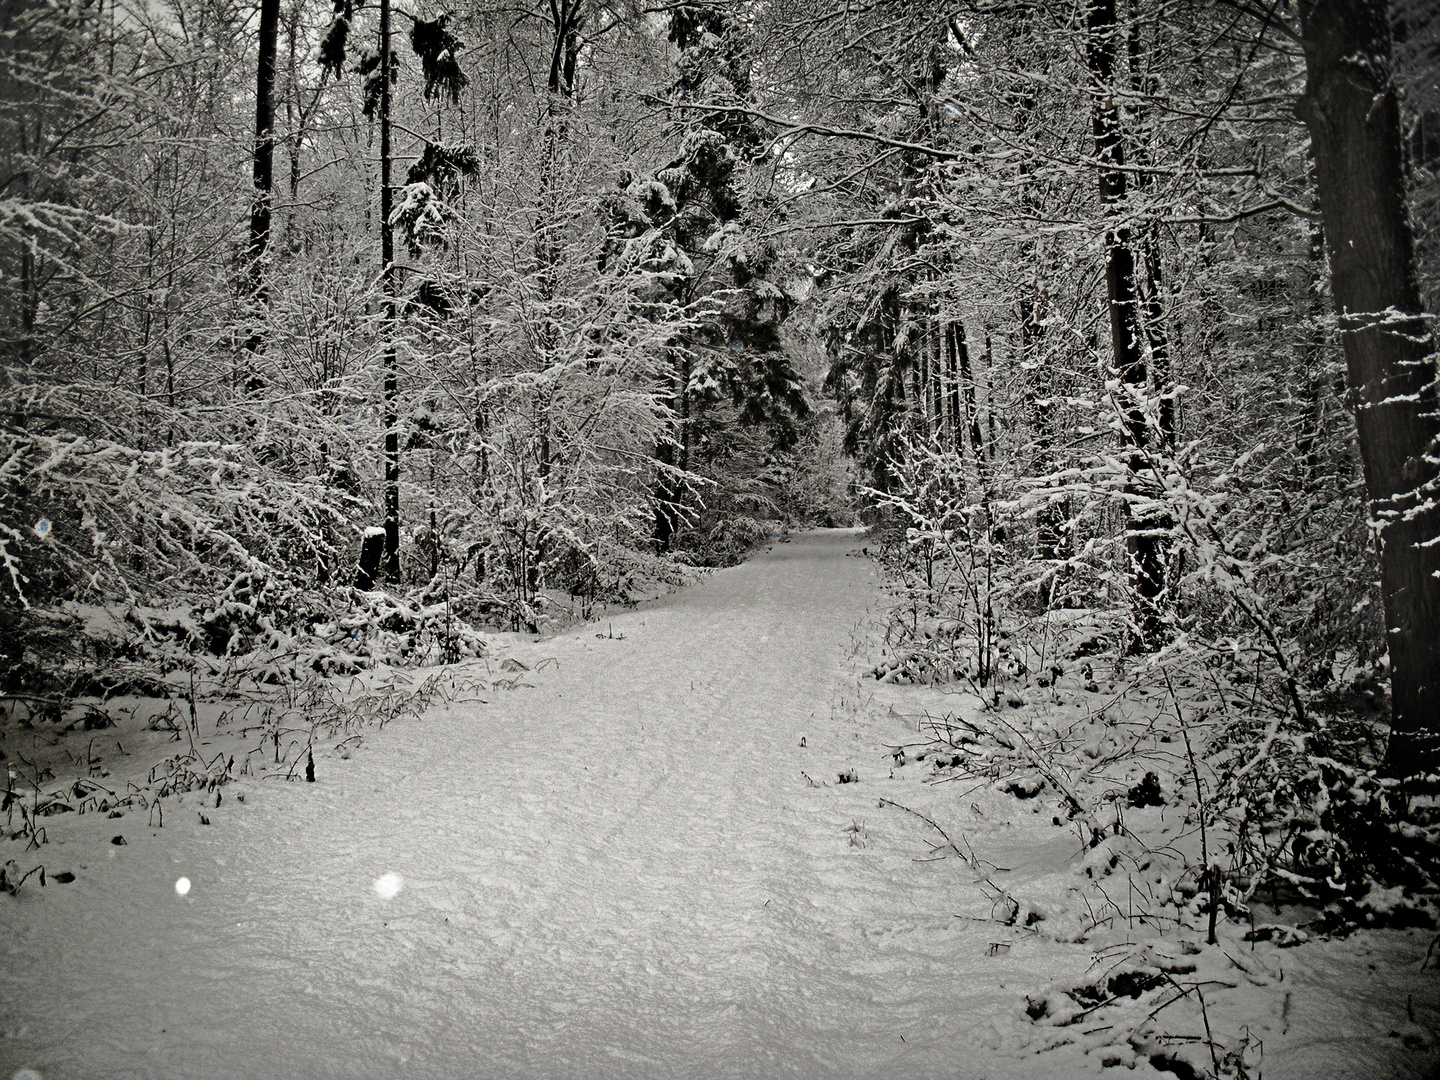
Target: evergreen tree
x,y
698,222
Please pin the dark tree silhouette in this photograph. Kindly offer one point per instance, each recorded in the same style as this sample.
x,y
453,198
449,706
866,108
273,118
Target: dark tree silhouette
x,y
1351,108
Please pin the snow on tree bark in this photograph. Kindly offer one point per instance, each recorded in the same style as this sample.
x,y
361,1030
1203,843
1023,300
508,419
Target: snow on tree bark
x,y
1144,532
1351,109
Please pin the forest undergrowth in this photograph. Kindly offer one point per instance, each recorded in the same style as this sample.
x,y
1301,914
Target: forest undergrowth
x,y
121,709
197,669
1216,801
164,739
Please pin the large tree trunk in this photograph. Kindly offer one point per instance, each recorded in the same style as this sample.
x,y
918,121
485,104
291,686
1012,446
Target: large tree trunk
x,y
1351,110
264,163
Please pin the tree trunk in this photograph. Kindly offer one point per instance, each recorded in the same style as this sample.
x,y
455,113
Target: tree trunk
x,y
954,333
1351,109
972,404
1050,521
1144,541
565,21
392,316
673,452
29,272
372,552
264,165
944,422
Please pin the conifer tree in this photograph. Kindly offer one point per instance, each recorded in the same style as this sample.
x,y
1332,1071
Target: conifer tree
x,y
697,219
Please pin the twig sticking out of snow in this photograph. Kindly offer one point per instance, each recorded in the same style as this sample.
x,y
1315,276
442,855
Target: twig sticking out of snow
x,y
967,854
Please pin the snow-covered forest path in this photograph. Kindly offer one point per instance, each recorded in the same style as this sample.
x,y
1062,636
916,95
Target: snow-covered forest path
x,y
618,871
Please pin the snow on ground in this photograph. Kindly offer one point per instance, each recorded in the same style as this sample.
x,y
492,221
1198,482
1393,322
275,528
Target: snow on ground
x,y
637,861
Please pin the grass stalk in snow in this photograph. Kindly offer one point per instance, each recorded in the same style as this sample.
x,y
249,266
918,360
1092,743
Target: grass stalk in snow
x,y
1212,873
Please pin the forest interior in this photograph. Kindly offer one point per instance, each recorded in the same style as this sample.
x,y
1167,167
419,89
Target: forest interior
x,y
719,538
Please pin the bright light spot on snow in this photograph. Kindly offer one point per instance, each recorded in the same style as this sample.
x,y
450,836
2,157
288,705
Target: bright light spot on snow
x,y
26,1074
182,886
388,885
42,528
